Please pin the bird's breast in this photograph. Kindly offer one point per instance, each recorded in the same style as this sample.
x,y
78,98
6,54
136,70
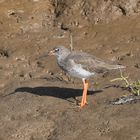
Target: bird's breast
x,y
80,72
74,69
63,65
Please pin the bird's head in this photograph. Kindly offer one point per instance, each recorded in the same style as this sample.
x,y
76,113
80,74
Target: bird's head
x,y
59,52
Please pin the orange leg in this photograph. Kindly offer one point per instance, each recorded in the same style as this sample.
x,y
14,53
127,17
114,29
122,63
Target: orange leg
x,y
84,96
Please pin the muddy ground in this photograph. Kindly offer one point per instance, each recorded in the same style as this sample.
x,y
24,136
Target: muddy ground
x,y
37,99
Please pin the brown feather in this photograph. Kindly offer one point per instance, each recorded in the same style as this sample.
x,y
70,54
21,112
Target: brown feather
x,y
91,63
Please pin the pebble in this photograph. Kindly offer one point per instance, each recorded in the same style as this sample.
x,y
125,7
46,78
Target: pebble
x,y
137,65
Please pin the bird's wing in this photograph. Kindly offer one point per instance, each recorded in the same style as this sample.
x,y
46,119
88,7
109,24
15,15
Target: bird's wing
x,y
91,63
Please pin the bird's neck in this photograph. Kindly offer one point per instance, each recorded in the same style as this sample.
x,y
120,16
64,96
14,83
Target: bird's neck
x,y
62,56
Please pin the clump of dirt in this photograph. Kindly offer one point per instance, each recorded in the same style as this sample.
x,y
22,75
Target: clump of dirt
x,y
81,13
37,99
4,53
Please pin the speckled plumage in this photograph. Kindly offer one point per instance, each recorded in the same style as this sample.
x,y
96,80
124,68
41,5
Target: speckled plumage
x,y
81,65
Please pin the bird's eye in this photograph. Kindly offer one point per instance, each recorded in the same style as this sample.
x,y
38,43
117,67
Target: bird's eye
x,y
56,50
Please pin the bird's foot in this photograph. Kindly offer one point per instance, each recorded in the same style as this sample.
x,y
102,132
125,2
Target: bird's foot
x,y
83,104
80,103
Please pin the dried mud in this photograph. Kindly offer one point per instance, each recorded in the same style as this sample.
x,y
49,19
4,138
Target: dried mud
x,y
37,99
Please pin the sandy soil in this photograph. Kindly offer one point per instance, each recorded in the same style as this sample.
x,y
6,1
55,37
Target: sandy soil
x,y
37,99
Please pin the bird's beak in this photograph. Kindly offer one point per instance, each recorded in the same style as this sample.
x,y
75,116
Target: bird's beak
x,y
51,52
46,55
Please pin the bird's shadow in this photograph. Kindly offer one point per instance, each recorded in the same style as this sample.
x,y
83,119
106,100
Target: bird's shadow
x,y
58,92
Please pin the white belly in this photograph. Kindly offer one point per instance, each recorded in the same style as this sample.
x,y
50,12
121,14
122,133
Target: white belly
x,y
80,72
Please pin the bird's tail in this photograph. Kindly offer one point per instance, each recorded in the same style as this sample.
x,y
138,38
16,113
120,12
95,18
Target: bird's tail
x,y
117,67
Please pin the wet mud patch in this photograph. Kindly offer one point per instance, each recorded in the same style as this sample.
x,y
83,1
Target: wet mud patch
x,y
37,99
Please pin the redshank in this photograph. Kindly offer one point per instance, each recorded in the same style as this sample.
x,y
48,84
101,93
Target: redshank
x,y
81,65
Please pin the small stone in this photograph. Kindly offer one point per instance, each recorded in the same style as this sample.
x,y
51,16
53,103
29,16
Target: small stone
x,y
51,73
129,54
115,49
137,65
121,57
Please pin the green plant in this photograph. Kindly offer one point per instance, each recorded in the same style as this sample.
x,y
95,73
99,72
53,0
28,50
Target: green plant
x,y
133,87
